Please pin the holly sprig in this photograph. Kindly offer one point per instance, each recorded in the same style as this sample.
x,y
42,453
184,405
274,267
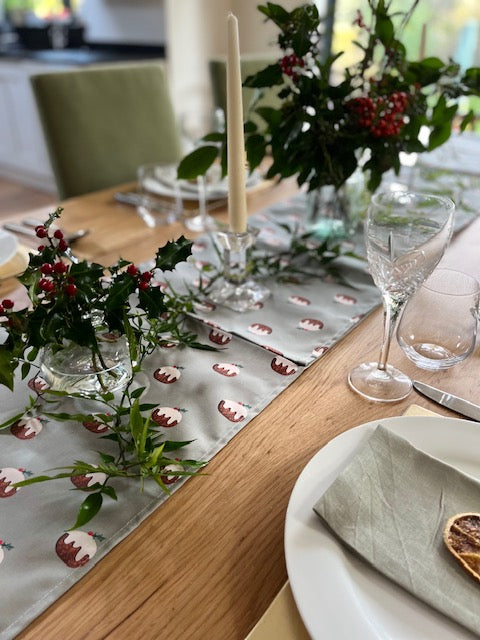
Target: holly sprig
x,y
70,298
142,451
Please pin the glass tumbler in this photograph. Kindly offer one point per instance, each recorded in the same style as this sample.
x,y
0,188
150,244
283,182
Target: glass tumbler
x,y
438,327
159,196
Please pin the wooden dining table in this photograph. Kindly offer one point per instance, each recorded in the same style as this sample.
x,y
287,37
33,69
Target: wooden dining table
x,y
210,560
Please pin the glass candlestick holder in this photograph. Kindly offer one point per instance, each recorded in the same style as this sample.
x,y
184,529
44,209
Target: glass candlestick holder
x,y
237,289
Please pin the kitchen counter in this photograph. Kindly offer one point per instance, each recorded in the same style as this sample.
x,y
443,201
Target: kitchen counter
x,y
88,54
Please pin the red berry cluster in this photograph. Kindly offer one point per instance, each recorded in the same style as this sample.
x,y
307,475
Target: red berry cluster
x,y
61,243
55,273
384,115
6,305
143,278
56,279
288,64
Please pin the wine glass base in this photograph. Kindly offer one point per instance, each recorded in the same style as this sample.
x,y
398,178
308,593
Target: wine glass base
x,y
390,385
201,223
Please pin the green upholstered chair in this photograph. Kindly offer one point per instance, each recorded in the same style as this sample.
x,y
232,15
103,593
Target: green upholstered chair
x,y
100,124
249,64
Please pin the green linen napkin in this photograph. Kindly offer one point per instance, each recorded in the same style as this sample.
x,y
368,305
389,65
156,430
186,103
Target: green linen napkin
x,y
390,505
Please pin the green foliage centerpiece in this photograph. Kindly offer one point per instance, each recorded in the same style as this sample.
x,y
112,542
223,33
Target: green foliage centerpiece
x,y
326,125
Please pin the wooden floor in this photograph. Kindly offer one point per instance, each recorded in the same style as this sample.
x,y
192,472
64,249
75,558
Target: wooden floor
x,y
15,198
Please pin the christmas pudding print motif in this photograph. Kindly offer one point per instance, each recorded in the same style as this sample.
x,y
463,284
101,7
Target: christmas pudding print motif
x,y
198,247
170,479
167,375
310,324
299,300
167,416
8,477
38,384
319,351
4,545
283,366
217,336
343,299
260,329
233,411
227,369
204,306
89,480
76,547
26,428
95,426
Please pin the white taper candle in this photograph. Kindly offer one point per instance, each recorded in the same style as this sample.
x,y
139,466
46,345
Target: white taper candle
x,y
237,197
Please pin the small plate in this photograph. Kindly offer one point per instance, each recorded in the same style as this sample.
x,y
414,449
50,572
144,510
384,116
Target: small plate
x,y
163,185
8,246
337,594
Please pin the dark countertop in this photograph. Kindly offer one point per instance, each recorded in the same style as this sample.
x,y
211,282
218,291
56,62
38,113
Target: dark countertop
x,y
88,54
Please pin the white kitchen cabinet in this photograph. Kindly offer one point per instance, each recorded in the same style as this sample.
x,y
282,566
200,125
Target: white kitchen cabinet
x,y
23,152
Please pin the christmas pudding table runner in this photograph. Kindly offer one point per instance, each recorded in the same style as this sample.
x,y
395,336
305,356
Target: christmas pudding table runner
x,y
202,396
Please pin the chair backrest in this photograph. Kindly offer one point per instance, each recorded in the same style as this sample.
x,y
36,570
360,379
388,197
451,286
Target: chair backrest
x,y
100,124
249,65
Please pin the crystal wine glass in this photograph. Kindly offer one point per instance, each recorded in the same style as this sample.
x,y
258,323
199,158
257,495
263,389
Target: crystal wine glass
x,y
406,235
195,124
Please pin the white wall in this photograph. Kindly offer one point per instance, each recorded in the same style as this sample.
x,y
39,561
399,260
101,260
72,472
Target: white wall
x,y
124,21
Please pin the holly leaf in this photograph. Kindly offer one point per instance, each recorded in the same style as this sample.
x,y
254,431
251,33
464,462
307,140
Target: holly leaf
x,y
7,367
197,162
168,256
256,149
110,492
138,427
88,509
152,301
270,76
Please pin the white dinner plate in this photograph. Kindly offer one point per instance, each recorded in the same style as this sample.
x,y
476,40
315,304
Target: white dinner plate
x,y
8,246
162,185
337,594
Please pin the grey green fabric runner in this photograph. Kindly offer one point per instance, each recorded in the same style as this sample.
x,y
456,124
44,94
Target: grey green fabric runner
x,y
390,506
203,396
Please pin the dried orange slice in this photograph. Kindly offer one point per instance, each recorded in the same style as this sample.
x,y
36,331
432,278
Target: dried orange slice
x,y
462,537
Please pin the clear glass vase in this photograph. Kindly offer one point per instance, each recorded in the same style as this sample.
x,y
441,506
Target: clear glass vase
x,y
75,369
337,213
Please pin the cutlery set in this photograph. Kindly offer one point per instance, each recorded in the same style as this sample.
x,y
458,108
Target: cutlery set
x,y
27,229
137,199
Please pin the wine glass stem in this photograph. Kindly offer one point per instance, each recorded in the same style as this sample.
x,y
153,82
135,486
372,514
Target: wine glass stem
x,y
391,312
202,198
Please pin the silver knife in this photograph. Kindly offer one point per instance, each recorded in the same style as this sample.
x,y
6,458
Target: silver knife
x,y
27,229
464,407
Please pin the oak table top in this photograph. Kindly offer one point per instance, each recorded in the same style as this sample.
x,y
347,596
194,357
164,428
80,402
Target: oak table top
x,y
210,560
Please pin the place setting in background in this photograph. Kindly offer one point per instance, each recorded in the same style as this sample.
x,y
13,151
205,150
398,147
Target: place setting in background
x,y
13,259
